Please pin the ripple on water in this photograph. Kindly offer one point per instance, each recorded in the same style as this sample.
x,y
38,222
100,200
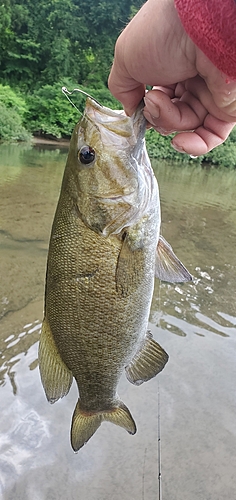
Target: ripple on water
x,y
13,348
195,323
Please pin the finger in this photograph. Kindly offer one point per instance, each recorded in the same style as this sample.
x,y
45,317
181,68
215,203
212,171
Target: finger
x,y
215,103
167,115
125,81
213,133
221,87
180,89
169,90
127,90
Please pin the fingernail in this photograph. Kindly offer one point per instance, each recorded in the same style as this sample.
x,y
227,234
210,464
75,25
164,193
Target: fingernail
x,y
161,131
129,111
151,119
177,148
152,108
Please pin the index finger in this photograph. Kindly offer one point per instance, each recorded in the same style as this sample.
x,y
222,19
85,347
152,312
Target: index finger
x,y
124,88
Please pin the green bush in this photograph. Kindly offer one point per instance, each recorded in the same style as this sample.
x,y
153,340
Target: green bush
x,y
11,128
159,147
225,154
47,111
51,113
12,100
13,109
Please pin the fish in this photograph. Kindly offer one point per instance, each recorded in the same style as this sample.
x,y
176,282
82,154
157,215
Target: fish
x,y
104,253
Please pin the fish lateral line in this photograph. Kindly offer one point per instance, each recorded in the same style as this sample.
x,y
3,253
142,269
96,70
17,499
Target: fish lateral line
x,y
89,275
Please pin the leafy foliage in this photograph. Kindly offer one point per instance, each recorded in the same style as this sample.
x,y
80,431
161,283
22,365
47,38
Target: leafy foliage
x,y
51,113
12,112
51,41
5,24
11,128
44,41
225,154
159,147
13,100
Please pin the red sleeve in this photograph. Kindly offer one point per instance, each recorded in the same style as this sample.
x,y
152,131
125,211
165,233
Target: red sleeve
x,y
211,24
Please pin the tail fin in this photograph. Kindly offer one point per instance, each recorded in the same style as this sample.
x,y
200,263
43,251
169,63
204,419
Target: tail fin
x,y
85,423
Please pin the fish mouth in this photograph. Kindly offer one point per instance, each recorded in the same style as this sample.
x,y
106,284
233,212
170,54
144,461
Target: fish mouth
x,y
116,121
103,110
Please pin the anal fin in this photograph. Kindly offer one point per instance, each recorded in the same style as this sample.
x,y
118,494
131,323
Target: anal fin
x,y
147,362
168,266
56,377
85,423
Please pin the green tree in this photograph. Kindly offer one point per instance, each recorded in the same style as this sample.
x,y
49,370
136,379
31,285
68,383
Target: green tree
x,y
13,109
44,41
5,28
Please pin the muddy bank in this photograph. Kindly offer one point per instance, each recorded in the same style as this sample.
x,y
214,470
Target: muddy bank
x,y
54,142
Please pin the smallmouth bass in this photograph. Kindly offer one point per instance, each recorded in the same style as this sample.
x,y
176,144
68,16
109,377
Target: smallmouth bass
x,y
105,250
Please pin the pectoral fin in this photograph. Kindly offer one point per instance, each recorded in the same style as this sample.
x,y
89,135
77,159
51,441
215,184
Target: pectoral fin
x,y
56,377
168,266
129,266
85,423
147,362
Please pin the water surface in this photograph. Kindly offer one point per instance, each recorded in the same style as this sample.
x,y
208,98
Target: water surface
x,y
195,323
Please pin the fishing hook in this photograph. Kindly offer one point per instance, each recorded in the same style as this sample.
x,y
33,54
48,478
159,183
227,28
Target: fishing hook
x,y
67,93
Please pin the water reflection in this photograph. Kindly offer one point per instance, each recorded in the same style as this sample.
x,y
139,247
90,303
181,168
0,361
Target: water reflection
x,y
15,345
195,323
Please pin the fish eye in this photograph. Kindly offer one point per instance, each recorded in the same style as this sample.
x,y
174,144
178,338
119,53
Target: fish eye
x,y
86,155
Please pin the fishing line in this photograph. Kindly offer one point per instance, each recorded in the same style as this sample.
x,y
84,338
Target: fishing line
x,y
159,443
159,305
66,92
143,476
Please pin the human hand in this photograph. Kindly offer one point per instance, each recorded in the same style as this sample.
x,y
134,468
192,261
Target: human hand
x,y
190,95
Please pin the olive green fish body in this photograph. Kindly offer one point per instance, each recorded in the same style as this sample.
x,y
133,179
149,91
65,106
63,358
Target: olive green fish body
x,y
97,323
100,272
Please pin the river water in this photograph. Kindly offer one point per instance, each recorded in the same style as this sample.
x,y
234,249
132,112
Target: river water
x,y
194,322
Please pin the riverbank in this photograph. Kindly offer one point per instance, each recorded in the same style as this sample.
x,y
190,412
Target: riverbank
x,y
54,142
49,117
